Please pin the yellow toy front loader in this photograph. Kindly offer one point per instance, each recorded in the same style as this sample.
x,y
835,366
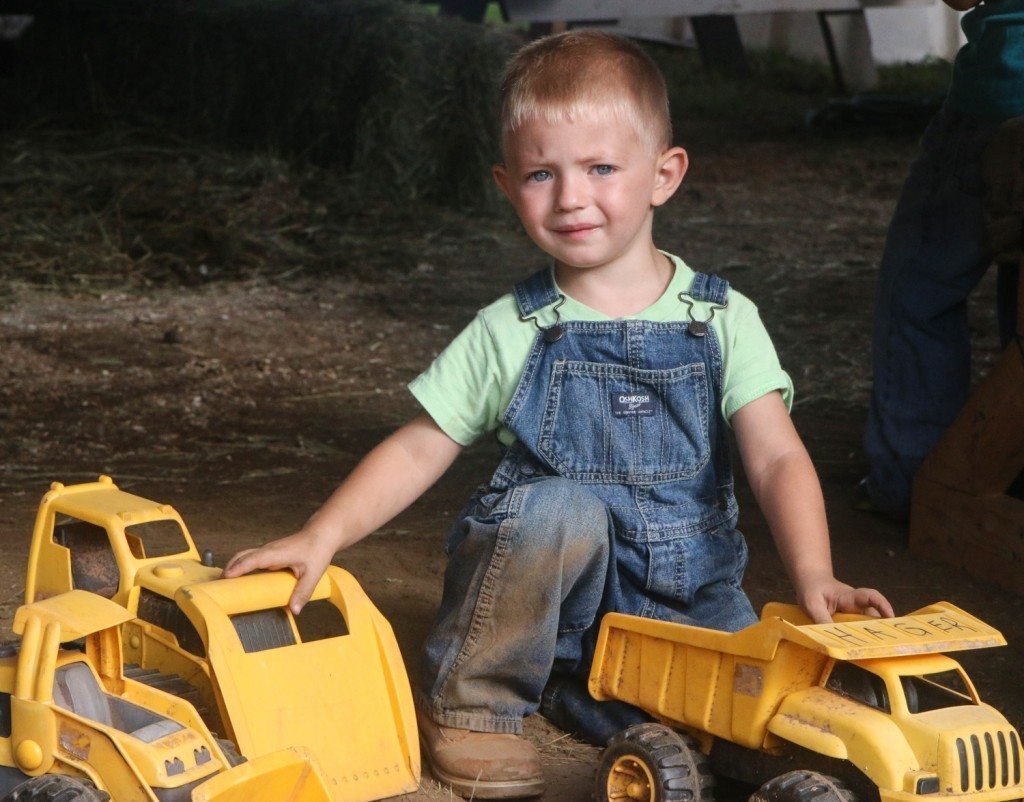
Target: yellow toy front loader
x,y
77,730
330,680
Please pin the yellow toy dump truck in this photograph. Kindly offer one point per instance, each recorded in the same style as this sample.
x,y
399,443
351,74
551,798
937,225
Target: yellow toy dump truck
x,y
75,729
863,708
330,680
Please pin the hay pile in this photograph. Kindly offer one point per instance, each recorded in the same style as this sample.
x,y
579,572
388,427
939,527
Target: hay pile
x,y
105,207
400,102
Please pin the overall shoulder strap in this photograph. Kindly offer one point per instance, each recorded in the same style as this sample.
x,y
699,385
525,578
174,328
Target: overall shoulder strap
x,y
713,289
535,293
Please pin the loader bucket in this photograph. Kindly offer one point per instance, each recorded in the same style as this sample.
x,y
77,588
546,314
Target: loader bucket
x,y
290,775
345,697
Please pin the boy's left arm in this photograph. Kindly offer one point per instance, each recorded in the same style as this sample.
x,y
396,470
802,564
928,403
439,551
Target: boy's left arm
x,y
786,486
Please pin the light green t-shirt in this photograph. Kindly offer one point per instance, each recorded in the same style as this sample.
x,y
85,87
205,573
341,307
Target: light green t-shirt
x,y
468,387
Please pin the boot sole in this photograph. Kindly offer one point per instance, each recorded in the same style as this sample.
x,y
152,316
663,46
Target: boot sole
x,y
487,789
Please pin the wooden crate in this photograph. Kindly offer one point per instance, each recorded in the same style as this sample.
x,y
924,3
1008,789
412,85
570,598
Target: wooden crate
x,y
960,512
965,509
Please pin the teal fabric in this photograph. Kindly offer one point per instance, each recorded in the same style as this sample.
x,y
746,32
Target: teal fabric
x,y
988,75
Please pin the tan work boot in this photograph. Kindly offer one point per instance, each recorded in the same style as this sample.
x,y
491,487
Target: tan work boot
x,y
481,765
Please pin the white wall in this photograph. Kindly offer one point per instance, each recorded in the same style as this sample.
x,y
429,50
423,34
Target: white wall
x,y
913,34
895,31
897,35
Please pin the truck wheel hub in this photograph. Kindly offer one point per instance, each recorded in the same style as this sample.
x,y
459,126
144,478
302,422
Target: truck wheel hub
x,y
629,778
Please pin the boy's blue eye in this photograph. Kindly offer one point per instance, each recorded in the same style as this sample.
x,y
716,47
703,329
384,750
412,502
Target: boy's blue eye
x,y
604,169
538,175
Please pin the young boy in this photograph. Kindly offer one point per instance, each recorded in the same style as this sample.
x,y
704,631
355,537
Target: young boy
x,y
610,378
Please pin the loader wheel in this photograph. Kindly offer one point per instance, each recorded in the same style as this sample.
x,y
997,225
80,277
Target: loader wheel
x,y
652,763
803,786
56,788
230,751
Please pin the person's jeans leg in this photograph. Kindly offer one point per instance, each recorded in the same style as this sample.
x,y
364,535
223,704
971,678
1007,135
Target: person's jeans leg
x,y
934,256
524,582
1006,299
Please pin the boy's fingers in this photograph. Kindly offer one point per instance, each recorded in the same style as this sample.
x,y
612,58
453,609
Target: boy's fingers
x,y
867,601
877,602
246,562
818,612
237,564
271,558
303,590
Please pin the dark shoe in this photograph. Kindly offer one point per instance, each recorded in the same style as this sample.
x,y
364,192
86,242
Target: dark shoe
x,y
863,501
481,765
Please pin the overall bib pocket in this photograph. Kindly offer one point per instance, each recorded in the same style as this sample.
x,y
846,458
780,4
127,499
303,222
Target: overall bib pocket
x,y
640,426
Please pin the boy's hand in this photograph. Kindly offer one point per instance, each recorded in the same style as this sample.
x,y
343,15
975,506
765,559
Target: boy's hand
x,y
822,599
298,553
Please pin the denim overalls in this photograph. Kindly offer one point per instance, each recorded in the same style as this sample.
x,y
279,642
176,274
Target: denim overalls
x,y
617,495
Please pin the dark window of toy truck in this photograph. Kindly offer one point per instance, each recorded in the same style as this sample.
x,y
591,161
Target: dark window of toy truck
x,y
156,539
166,614
319,620
5,715
936,691
93,567
270,629
862,686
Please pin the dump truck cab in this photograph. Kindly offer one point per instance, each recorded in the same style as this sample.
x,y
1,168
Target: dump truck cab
x,y
872,703
74,715
914,725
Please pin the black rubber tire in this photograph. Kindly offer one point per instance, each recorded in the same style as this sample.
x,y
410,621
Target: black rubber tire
x,y
653,763
803,786
231,752
56,788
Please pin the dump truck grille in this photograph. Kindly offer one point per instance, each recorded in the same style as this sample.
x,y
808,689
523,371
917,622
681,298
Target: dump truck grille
x,y
984,761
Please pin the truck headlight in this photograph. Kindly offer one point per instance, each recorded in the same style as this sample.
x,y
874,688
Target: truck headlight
x,y
927,785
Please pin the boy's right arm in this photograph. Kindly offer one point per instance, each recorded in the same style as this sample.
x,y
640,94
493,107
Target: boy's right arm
x,y
385,482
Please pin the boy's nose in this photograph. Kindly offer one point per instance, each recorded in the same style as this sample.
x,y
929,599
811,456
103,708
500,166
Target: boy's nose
x,y
570,195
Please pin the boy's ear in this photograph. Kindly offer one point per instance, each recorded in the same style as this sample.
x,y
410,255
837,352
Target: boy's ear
x,y
500,173
672,166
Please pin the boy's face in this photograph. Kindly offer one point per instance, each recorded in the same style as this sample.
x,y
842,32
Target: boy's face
x,y
585,190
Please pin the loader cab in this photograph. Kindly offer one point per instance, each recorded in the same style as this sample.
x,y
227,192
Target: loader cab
x,y
96,537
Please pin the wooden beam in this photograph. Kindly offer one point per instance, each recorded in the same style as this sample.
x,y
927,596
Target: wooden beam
x,y
983,535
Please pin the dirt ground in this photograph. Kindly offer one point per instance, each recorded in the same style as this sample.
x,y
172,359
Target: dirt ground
x,y
243,402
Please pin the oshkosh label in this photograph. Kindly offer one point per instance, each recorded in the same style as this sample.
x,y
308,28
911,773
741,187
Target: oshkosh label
x,y
625,404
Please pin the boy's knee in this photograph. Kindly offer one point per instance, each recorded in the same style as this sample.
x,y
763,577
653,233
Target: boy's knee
x,y
554,509
556,505
541,525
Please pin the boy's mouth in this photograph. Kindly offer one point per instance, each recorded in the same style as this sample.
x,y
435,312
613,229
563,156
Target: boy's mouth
x,y
576,230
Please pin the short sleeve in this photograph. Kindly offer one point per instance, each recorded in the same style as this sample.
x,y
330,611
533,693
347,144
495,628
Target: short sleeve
x,y
752,366
460,389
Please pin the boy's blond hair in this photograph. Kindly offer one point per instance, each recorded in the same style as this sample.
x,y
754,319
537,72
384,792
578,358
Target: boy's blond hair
x,y
574,74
